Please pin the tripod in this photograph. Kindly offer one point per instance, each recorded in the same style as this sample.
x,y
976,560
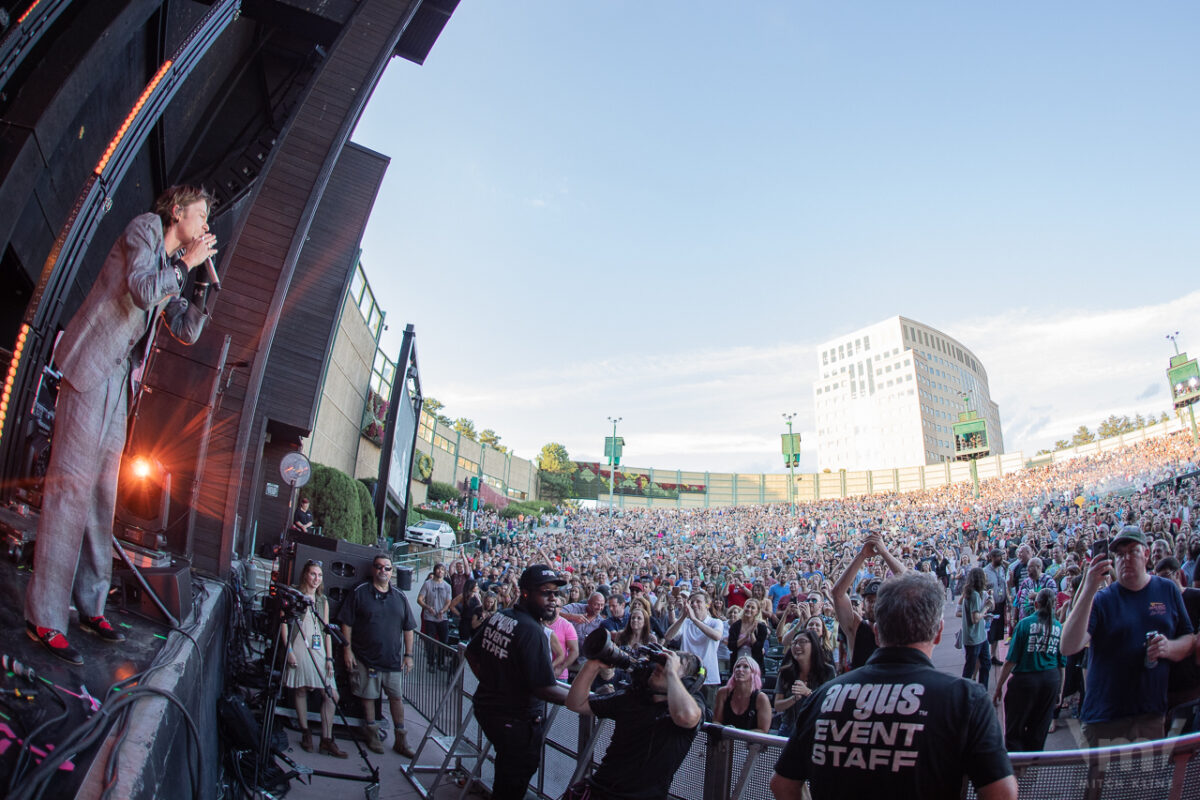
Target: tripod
x,y
292,614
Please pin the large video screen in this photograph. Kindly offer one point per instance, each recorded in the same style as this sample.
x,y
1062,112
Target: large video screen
x,y
402,444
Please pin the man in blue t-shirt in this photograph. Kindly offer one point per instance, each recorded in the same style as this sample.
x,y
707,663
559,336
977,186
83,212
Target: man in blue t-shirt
x,y
779,590
1133,627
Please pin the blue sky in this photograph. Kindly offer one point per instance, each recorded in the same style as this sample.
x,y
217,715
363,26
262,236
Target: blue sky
x,y
657,210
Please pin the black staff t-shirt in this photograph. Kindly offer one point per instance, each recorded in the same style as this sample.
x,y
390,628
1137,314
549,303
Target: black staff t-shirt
x,y
896,728
514,659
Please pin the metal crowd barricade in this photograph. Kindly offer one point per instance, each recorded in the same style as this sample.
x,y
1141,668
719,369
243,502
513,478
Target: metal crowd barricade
x,y
428,685
731,764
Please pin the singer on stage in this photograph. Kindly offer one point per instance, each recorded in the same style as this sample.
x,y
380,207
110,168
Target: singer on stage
x,y
107,338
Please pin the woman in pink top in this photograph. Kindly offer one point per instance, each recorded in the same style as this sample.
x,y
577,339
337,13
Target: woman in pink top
x,y
565,633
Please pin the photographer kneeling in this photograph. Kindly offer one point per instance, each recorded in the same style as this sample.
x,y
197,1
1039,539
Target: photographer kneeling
x,y
656,718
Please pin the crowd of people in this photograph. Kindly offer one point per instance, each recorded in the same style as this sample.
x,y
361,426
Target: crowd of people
x,y
1071,578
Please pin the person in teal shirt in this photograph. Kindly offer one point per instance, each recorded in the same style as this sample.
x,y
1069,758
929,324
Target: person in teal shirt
x,y
1036,665
976,604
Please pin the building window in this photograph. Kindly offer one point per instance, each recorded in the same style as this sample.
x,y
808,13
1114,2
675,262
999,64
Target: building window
x,y
467,465
383,372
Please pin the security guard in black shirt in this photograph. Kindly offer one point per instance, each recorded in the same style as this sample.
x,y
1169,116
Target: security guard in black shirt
x,y
510,655
897,726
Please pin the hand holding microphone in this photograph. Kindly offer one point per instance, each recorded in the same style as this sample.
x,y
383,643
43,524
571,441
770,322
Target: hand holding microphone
x,y
211,269
200,252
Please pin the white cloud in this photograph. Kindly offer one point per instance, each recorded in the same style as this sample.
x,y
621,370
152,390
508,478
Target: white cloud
x,y
719,409
1051,374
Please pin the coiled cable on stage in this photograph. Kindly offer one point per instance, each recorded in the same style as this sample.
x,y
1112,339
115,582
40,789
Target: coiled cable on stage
x,y
38,780
117,700
22,761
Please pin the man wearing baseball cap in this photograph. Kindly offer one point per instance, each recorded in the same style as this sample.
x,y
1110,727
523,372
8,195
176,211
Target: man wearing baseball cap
x,y
511,658
1134,627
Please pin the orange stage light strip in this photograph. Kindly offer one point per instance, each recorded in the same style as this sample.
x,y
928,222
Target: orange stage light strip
x,y
11,377
28,11
137,109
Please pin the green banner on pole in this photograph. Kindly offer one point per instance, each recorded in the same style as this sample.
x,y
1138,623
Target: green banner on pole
x,y
614,453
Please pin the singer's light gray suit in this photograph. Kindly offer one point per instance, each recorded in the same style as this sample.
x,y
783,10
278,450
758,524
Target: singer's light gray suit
x,y
74,547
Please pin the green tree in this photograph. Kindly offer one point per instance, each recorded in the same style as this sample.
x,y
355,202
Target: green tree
x,y
554,458
336,504
489,437
445,421
466,427
1112,426
1139,422
1062,444
555,485
1164,417
1083,436
441,492
555,469
432,405
366,507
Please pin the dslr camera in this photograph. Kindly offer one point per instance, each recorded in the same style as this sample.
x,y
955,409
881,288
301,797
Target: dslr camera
x,y
638,661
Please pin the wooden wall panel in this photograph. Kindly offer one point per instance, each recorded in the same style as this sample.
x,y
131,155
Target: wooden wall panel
x,y
266,249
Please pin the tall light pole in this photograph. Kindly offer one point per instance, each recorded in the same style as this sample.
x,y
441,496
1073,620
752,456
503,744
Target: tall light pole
x,y
612,464
790,454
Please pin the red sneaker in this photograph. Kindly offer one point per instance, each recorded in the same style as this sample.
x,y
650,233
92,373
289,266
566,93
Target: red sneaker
x,y
55,642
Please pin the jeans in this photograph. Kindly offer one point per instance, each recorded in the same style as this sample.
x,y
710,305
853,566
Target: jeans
x,y
438,630
979,656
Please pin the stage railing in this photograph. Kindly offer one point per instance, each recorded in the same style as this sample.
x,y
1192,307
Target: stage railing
x,y
428,683
731,764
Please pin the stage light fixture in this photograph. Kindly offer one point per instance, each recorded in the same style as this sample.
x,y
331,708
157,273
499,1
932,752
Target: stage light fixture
x,y
143,495
21,19
140,467
11,377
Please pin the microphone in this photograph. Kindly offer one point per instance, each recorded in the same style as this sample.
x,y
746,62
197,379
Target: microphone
x,y
211,268
17,668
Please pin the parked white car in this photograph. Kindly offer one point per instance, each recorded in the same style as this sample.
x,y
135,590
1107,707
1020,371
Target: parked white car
x,y
432,532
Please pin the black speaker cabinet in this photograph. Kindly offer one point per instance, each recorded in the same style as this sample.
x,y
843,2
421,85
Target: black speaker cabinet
x,y
172,585
342,571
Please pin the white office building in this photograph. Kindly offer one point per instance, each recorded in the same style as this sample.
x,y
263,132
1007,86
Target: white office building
x,y
889,394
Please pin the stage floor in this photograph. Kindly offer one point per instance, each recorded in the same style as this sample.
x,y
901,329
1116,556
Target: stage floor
x,y
74,693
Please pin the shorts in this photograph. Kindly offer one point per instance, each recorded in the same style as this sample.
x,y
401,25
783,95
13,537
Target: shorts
x,y
366,682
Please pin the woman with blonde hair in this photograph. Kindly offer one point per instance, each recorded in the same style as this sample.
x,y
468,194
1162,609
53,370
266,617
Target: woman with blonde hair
x,y
748,636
